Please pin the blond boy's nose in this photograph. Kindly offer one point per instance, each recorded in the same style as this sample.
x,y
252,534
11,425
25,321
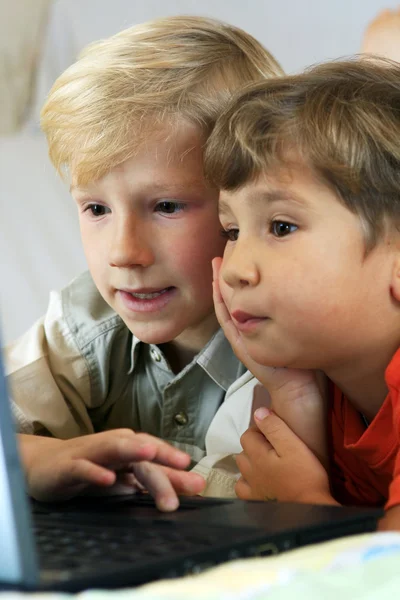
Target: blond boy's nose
x,y
130,247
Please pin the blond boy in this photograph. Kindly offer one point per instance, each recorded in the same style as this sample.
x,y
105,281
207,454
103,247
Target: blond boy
x,y
135,344
309,167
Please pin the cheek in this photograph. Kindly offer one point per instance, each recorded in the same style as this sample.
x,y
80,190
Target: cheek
x,y
321,297
94,250
226,292
194,264
88,245
194,251
210,240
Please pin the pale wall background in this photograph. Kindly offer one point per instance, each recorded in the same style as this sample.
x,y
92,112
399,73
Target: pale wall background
x,y
39,239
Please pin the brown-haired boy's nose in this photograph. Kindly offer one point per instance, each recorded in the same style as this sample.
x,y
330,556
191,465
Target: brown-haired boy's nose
x,y
239,269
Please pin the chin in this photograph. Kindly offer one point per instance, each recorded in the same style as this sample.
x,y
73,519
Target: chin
x,y
152,337
283,361
275,363
152,334
267,359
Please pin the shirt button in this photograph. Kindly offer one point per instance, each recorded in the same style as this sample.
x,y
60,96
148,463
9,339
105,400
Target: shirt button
x,y
155,355
181,418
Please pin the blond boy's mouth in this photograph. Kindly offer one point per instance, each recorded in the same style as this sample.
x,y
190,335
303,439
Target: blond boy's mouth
x,y
147,294
146,300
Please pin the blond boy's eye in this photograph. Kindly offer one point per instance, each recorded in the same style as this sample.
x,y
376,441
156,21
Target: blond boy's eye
x,y
98,210
169,207
282,228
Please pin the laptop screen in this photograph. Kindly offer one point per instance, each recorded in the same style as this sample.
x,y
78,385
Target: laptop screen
x,y
18,563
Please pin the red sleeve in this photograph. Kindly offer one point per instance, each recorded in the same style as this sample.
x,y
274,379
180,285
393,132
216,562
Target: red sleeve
x,y
393,381
362,459
394,488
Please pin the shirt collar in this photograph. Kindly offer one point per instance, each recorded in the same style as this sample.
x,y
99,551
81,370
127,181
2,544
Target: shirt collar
x,y
217,359
134,350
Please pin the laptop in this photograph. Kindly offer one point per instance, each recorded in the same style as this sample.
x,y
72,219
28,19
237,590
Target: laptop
x,y
112,542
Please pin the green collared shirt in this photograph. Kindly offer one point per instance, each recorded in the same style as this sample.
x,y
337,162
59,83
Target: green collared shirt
x,y
80,370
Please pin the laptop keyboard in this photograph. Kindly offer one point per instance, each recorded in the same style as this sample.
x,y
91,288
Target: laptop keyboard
x,y
83,547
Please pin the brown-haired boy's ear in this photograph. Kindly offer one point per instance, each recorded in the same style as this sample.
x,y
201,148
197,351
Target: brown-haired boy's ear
x,y
395,283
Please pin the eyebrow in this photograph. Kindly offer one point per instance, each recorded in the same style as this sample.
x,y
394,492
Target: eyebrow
x,y
157,188
224,210
78,188
265,196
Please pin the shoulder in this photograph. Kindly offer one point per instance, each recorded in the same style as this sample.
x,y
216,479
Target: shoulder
x,y
86,313
242,388
78,324
99,334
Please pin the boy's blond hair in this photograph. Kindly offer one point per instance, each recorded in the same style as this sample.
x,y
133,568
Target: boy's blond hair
x,y
122,89
341,119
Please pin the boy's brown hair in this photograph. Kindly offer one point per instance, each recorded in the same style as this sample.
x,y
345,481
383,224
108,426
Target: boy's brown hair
x,y
341,119
122,89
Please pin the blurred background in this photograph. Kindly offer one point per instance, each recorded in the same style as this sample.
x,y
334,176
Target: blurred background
x,y
39,238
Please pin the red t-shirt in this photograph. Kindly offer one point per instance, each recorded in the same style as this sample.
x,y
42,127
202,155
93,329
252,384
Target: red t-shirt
x,y
366,461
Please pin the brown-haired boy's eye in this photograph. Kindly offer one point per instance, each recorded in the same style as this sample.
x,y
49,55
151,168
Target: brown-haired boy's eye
x,y
282,228
230,234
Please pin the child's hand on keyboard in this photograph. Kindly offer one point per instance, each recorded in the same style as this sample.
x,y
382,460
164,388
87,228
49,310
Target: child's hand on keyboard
x,y
61,469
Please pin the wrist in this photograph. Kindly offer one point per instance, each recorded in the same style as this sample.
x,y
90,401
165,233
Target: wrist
x,y
30,446
317,498
391,520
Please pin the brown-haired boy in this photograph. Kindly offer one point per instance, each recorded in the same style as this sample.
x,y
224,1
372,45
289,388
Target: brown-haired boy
x,y
309,168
